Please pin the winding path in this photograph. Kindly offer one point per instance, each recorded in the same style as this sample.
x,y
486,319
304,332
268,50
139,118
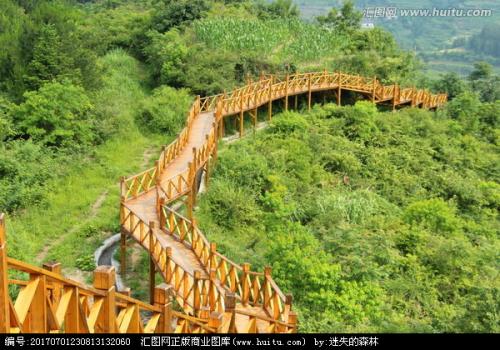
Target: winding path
x,y
204,281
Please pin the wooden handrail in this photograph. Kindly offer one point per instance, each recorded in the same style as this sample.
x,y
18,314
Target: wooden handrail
x,y
250,286
101,309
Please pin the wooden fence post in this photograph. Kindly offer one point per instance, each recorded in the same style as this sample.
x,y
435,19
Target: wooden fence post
x,y
152,266
215,321
286,91
212,263
242,117
163,300
394,95
270,103
168,270
196,292
104,280
339,88
309,92
55,293
265,287
245,288
374,89
4,280
230,303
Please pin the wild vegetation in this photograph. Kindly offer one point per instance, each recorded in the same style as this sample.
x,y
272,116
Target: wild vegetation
x,y
375,221
445,44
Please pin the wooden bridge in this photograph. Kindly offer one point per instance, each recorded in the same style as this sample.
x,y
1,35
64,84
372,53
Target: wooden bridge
x,y
212,293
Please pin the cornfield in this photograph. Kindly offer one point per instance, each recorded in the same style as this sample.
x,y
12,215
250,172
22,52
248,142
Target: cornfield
x,y
281,39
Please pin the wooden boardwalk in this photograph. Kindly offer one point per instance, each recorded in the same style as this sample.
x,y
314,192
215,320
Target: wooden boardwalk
x,y
216,294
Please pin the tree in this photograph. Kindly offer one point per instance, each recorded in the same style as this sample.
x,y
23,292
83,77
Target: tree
x,y
165,111
50,61
173,13
58,115
482,70
278,9
348,19
166,55
450,83
484,82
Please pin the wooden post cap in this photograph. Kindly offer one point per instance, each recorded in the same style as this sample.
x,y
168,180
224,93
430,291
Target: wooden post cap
x,y
268,270
245,267
162,294
104,277
288,299
204,312
230,301
2,228
215,320
52,266
213,247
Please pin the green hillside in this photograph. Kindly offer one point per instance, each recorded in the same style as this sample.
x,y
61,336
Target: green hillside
x,y
375,221
442,42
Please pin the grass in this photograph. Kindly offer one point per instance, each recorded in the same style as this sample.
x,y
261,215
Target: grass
x,y
82,207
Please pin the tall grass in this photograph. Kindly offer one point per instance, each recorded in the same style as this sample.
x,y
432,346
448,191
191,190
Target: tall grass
x,y
69,221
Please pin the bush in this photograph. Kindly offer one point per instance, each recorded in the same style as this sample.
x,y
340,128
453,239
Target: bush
x,y
24,169
86,262
58,115
433,214
289,123
166,110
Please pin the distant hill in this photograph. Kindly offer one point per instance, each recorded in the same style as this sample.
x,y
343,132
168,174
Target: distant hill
x,y
444,43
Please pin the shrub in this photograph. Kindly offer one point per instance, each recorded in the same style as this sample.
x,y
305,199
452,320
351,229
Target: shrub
x,y
86,262
433,214
166,110
24,169
58,115
289,123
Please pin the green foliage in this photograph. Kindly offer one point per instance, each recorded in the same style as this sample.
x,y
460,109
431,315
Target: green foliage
x,y
434,215
277,9
165,111
374,221
289,123
117,27
24,169
167,55
486,41
451,84
49,61
348,19
172,13
85,262
304,41
58,115
484,82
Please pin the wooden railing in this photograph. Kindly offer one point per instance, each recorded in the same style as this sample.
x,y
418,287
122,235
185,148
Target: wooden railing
x,y
34,299
221,275
42,300
254,288
193,292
